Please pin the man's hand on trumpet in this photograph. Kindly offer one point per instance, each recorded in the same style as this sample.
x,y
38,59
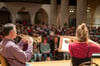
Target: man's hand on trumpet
x,y
24,40
30,40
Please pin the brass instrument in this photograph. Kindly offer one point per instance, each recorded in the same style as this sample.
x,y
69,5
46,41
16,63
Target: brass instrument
x,y
23,36
35,39
27,38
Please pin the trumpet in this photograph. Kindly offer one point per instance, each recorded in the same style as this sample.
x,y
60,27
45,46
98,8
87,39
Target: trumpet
x,y
27,37
23,36
37,39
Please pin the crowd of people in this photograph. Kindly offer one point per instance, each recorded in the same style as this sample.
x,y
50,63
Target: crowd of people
x,y
47,48
49,36
44,30
52,36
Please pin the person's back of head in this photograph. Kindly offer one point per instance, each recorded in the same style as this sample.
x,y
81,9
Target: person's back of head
x,y
82,33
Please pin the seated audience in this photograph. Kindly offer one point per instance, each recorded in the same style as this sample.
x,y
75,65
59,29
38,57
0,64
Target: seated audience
x,y
36,52
45,49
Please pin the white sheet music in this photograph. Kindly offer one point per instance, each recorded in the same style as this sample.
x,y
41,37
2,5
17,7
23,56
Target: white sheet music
x,y
65,44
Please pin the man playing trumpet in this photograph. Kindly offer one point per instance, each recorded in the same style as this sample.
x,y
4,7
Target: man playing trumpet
x,y
14,55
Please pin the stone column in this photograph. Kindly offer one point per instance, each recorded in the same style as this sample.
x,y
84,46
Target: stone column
x,y
64,12
32,18
13,10
92,15
13,19
32,11
81,11
13,15
53,12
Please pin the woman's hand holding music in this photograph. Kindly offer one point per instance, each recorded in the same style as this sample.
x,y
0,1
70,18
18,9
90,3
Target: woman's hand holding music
x,y
93,42
24,40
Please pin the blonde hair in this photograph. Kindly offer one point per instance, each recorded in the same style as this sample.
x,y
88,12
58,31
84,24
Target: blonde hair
x,y
82,33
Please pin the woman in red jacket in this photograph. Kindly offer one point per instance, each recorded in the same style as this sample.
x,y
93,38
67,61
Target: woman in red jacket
x,y
82,50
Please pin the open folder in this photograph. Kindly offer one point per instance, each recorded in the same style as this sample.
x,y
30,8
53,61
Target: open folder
x,y
64,43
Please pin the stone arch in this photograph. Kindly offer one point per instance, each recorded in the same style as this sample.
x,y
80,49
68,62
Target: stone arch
x,y
5,15
41,17
23,16
2,5
97,16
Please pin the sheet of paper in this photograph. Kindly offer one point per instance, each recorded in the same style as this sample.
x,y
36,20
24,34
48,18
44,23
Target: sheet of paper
x,y
65,44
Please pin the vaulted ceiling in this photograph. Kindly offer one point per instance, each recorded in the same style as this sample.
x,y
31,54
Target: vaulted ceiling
x,y
72,2
30,1
92,3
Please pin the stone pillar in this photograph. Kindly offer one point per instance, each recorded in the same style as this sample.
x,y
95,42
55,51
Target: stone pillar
x,y
13,15
32,11
32,14
13,19
13,10
92,15
81,11
47,9
32,18
53,12
64,12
